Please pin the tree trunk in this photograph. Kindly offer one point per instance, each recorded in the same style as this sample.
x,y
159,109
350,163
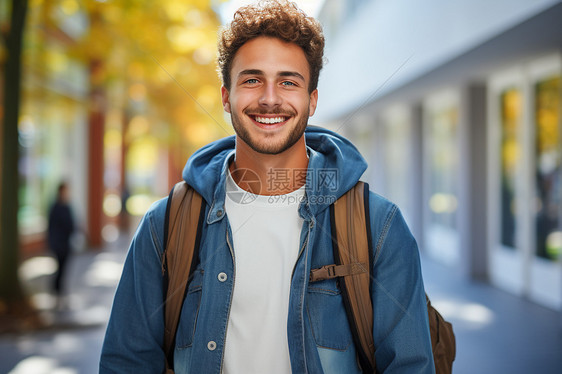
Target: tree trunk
x,y
11,294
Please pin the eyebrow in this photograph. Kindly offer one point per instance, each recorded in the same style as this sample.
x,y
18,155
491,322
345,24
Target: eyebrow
x,y
291,74
281,74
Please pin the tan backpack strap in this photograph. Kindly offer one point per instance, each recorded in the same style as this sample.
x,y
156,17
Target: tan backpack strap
x,y
185,213
352,246
333,271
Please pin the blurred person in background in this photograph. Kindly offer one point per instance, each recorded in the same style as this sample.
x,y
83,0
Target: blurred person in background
x,y
249,306
61,227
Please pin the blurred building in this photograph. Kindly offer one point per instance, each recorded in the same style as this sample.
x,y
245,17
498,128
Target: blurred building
x,y
53,124
114,99
457,107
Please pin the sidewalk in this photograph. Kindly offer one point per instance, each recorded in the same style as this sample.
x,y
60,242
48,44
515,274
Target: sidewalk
x,y
71,344
496,332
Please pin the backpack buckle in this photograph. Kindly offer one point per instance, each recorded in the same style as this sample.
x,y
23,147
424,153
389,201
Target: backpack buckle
x,y
323,273
334,271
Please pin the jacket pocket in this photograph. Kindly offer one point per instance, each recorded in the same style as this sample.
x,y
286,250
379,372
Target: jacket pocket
x,y
189,312
327,316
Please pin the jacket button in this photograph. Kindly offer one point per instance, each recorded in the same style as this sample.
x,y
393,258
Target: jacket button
x,y
222,277
219,213
211,346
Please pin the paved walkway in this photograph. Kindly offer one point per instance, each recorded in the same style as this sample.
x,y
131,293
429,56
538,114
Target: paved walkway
x,y
72,342
496,333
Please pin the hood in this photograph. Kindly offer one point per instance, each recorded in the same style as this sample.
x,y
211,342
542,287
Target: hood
x,y
335,165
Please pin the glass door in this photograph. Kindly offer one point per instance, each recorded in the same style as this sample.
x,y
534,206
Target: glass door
x,y
441,176
397,156
546,145
507,181
525,180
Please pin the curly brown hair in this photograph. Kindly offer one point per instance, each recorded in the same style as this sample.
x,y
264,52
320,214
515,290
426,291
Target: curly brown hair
x,y
275,18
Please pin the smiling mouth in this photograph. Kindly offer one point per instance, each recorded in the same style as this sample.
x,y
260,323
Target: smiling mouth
x,y
269,120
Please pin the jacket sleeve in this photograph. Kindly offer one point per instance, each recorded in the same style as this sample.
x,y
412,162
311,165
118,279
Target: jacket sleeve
x,y
134,336
400,328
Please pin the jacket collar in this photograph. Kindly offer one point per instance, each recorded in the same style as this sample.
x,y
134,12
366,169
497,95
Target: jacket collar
x,y
335,165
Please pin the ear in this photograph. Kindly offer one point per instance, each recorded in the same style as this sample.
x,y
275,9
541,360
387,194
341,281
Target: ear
x,y
313,102
225,99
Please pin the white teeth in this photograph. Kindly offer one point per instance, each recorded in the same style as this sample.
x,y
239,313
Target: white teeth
x,y
269,121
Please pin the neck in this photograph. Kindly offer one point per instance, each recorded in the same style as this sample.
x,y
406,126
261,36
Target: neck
x,y
278,174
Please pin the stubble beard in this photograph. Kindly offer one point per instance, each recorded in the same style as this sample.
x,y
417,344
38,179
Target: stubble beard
x,y
270,147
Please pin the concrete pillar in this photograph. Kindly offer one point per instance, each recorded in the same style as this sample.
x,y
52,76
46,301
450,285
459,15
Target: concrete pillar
x,y
416,172
473,218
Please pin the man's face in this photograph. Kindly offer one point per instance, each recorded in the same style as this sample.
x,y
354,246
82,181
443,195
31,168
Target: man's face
x,y
268,99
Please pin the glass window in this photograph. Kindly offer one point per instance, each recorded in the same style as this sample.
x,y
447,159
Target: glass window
x,y
548,144
397,157
46,130
510,105
443,163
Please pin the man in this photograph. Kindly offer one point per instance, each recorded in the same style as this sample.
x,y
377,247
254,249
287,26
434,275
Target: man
x,y
250,307
59,232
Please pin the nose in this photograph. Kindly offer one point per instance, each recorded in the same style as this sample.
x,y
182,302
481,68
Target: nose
x,y
270,97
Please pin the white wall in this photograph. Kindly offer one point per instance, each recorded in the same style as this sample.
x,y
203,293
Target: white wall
x,y
392,42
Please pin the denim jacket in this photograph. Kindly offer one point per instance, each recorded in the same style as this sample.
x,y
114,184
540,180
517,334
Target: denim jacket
x,y
318,333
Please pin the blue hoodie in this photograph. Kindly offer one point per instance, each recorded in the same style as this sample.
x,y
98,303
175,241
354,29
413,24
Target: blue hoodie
x,y
319,337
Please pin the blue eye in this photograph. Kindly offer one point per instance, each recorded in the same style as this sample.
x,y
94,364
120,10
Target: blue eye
x,y
252,81
287,83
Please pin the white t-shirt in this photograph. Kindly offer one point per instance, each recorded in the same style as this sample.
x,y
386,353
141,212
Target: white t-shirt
x,y
266,233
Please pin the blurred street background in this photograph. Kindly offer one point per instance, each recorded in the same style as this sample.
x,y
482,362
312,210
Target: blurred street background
x,y
457,107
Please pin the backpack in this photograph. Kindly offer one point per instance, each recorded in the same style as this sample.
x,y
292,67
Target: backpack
x,y
352,246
